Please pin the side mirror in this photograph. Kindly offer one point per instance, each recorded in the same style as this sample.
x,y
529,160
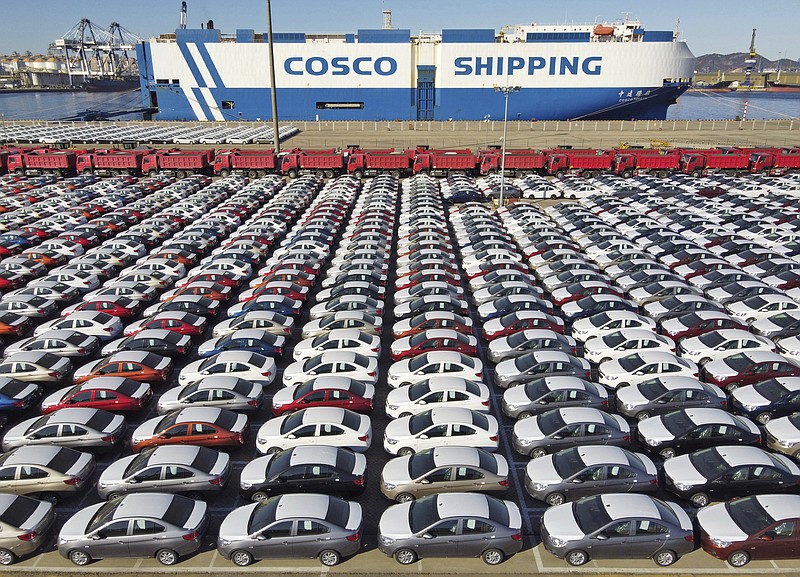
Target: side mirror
x,y
601,537
136,479
97,536
557,437
577,480
427,536
291,436
205,373
425,481
261,537
423,437
766,537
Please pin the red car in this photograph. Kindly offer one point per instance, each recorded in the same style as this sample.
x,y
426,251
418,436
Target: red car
x,y
284,275
217,277
120,306
180,322
84,239
309,267
698,323
432,320
108,393
434,340
10,280
520,321
700,267
337,392
580,290
290,290
546,245
14,325
428,275
747,368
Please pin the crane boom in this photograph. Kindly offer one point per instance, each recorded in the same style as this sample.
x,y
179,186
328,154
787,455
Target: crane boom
x,y
750,61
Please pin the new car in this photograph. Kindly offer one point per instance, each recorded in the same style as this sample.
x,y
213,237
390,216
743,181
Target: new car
x,y
26,526
447,363
222,391
36,367
64,343
339,340
519,370
747,368
243,364
76,427
325,391
137,365
607,322
435,393
546,393
107,393
767,399
205,426
48,473
98,324
617,344
315,426
444,426
660,395
360,320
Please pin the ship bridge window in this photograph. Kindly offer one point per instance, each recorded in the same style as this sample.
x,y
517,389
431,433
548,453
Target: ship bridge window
x,y
339,105
162,80
228,105
176,82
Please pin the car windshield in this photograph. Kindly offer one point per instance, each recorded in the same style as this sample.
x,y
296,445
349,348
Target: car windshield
x,y
104,514
771,389
568,462
709,463
590,514
755,302
783,320
631,363
749,515
292,422
518,339
739,362
712,339
615,339
100,420
420,422
263,515
418,390
599,320
551,421
526,362
417,363
279,463
690,319
677,423
652,389
423,513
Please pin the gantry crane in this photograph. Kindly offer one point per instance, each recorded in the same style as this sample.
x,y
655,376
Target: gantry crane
x,y
750,61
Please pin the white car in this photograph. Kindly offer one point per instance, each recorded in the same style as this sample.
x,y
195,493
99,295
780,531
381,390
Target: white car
x,y
360,320
761,306
623,342
441,427
435,393
246,365
339,340
270,321
92,323
342,363
637,367
607,322
721,343
427,288
446,363
789,347
315,426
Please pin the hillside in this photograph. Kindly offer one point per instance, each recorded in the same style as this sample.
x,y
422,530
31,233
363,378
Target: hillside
x,y
728,63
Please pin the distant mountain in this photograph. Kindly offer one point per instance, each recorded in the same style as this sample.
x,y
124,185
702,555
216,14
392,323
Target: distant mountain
x,y
729,63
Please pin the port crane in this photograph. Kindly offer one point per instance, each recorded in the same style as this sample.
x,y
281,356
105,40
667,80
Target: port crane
x,y
94,52
750,61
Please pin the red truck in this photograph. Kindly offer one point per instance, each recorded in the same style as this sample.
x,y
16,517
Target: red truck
x,y
626,163
444,162
726,160
253,163
774,162
324,163
180,163
362,162
585,162
43,161
111,162
517,162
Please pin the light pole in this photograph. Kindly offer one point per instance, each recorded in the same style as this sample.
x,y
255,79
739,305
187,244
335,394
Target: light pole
x,y
276,134
506,90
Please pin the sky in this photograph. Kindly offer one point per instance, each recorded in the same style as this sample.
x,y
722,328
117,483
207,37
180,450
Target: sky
x,y
709,26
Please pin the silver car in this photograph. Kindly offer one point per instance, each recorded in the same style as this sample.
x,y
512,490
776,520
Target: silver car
x,y
451,525
295,525
64,343
223,391
547,393
190,470
588,470
522,342
76,427
36,367
45,472
24,526
156,525
617,526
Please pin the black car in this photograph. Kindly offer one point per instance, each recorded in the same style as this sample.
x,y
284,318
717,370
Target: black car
x,y
160,341
727,472
767,399
304,469
689,430
594,304
745,293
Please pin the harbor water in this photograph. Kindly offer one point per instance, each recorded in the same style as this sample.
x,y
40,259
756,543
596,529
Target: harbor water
x,y
690,106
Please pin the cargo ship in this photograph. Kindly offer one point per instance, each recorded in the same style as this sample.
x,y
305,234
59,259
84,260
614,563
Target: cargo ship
x,y
615,71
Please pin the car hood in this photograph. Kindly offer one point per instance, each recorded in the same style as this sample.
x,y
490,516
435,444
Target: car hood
x,y
394,522
234,526
528,429
396,471
716,521
255,472
719,369
146,429
653,428
749,396
116,470
781,428
398,428
84,370
672,325
75,527
542,470
630,396
681,469
560,522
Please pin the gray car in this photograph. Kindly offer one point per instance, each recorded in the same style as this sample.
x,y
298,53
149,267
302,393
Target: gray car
x,y
589,470
548,393
64,343
451,525
443,470
156,525
296,525
45,472
221,391
189,470
664,394
567,427
24,526
76,427
522,342
615,526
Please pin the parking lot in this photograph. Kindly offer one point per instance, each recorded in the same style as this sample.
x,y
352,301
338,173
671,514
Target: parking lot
x,y
607,202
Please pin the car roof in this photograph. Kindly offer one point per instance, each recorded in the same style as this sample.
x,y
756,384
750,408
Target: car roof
x,y
460,504
456,456
72,415
204,414
173,455
624,505
602,455
143,505
780,506
451,415
581,415
764,356
302,505
111,383
735,456
133,356
314,454
703,416
32,454
323,415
